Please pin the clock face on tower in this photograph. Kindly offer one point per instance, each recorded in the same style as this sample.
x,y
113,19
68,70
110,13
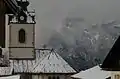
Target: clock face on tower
x,y
21,17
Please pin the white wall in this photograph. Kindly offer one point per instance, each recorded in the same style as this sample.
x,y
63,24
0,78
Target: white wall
x,y
45,76
113,73
7,32
21,50
14,29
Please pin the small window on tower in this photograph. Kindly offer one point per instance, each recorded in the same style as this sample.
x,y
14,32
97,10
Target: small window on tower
x,y
22,36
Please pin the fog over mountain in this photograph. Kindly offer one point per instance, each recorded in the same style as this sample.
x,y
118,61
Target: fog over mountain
x,y
83,31
84,45
51,13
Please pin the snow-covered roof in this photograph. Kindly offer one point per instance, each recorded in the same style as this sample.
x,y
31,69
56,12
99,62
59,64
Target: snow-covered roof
x,y
93,73
14,1
6,71
12,4
22,66
11,77
46,61
26,66
53,63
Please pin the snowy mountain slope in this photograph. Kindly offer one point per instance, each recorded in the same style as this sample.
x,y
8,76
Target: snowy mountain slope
x,y
84,45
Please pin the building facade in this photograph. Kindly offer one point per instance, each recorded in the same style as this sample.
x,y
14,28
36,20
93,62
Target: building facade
x,y
92,73
47,65
112,60
24,59
22,33
6,7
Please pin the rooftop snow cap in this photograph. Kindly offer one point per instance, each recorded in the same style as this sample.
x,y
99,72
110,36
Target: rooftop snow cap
x,y
92,73
53,63
11,77
112,60
4,71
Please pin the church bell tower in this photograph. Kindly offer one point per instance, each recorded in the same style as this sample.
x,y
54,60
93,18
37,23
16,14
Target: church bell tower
x,y
22,33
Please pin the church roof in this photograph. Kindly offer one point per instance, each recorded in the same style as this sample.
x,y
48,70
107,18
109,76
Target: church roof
x,y
53,63
92,73
26,66
22,66
6,71
11,77
12,5
112,60
46,61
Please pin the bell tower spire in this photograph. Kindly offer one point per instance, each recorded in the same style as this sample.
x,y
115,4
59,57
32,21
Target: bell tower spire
x,y
22,17
22,33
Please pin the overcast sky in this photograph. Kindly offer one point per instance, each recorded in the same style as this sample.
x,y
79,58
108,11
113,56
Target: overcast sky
x,y
50,13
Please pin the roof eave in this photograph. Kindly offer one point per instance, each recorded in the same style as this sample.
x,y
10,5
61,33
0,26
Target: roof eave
x,y
13,7
37,73
111,69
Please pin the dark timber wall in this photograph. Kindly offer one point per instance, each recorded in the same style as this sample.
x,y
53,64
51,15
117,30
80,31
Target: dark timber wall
x,y
2,23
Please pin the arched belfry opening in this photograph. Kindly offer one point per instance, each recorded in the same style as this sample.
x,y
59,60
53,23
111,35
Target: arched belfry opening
x,y
22,36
